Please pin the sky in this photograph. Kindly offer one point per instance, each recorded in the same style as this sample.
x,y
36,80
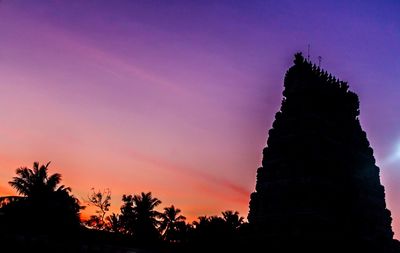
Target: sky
x,y
177,97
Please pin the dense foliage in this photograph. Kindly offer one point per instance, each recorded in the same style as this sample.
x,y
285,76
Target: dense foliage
x,y
46,216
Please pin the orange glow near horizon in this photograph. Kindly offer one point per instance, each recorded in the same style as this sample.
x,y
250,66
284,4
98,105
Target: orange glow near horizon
x,y
192,181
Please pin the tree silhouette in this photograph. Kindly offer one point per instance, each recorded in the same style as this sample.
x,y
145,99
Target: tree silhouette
x,y
172,223
232,219
221,233
44,206
146,217
139,218
100,200
127,217
114,223
34,183
208,232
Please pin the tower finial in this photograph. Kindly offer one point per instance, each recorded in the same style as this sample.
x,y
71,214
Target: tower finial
x,y
298,58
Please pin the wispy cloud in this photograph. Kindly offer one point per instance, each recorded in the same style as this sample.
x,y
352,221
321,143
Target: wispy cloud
x,y
219,187
109,62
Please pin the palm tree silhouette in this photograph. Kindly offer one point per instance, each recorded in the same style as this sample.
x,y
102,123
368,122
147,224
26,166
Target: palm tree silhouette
x,y
232,219
171,221
138,212
42,201
144,205
36,182
114,223
146,221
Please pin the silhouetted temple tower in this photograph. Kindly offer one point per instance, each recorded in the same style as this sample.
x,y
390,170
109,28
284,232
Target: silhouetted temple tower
x,y
318,185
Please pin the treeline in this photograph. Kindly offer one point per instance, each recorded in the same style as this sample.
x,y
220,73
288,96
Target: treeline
x,y
46,216
139,219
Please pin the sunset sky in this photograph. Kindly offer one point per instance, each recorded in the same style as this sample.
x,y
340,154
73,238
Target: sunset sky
x,y
176,97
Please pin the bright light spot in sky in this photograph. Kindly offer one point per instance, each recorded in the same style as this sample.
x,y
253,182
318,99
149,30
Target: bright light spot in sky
x,y
395,156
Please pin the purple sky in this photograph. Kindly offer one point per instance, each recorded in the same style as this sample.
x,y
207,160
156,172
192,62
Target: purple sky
x,y
176,97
